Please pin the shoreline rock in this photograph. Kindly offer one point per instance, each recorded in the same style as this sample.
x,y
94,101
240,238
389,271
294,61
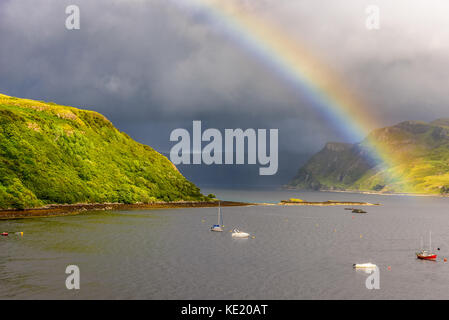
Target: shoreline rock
x,y
72,209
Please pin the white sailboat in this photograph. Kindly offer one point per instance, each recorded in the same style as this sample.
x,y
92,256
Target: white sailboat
x,y
236,233
367,265
218,227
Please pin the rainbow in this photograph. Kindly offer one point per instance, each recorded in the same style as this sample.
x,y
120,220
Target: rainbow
x,y
304,73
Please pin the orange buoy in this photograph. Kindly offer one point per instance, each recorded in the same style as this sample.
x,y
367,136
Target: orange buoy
x,y
445,259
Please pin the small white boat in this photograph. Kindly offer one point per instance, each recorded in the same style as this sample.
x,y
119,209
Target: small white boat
x,y
236,233
368,265
218,227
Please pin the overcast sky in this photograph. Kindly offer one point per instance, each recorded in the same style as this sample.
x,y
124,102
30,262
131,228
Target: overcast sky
x,y
153,66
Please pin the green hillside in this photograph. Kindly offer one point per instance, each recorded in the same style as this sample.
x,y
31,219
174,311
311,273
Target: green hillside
x,y
57,154
420,150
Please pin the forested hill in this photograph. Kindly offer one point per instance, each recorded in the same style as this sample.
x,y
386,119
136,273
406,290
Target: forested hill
x,y
422,148
57,154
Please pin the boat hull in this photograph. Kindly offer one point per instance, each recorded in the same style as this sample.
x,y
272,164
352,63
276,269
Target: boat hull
x,y
368,265
241,235
430,257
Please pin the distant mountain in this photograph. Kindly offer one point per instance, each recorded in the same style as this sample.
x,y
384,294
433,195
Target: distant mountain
x,y
420,150
57,154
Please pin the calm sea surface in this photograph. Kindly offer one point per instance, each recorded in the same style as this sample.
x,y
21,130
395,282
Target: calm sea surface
x,y
297,252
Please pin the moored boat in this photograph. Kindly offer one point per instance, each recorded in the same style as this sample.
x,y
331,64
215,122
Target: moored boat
x,y
236,233
218,227
427,254
367,265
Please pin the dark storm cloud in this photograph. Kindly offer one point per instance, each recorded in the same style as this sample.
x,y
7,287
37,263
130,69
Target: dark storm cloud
x,y
152,66
147,57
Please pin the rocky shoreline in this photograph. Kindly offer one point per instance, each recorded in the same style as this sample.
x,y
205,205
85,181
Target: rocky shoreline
x,y
380,193
72,209
326,203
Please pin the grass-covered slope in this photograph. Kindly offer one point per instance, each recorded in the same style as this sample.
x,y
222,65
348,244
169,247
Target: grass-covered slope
x,y
420,150
57,154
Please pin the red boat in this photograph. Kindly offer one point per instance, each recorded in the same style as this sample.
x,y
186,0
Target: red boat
x,y
426,255
4,234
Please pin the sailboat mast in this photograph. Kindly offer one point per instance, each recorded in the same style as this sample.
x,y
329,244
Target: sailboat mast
x,y
430,241
219,212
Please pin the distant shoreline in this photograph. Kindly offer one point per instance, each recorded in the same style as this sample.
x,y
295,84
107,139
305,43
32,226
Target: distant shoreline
x,y
372,192
53,210
326,203
390,193
73,209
